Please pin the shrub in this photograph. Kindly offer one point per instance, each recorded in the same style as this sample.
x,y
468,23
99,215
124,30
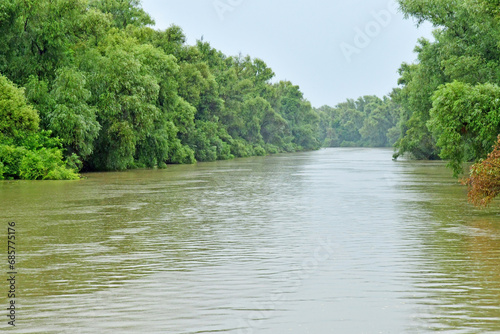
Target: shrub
x,y
484,179
240,148
259,150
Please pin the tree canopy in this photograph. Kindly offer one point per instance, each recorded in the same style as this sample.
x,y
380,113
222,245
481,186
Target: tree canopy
x,y
465,51
366,122
450,97
90,85
109,92
26,152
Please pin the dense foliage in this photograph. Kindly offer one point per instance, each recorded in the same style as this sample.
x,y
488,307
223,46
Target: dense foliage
x,y
26,152
366,122
105,91
89,85
465,120
450,96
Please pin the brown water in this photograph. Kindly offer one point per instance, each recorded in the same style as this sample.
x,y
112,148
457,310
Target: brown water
x,y
333,241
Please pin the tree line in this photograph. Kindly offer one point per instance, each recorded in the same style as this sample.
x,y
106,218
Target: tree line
x,y
88,85
450,98
366,122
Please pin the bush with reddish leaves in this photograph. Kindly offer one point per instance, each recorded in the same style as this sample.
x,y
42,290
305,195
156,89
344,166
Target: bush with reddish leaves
x,y
484,180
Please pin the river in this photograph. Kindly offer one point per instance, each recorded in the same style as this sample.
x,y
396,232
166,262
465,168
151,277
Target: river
x,y
331,241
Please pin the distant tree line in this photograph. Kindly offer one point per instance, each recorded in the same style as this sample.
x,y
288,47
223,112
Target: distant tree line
x,y
366,122
447,105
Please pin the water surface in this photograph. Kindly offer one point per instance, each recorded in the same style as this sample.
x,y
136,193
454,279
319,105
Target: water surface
x,y
333,241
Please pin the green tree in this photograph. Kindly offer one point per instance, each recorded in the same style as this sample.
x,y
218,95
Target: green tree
x,y
465,49
71,118
17,118
124,12
38,35
113,93
419,81
368,121
466,121
24,151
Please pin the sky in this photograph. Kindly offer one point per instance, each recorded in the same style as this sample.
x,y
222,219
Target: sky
x,y
332,49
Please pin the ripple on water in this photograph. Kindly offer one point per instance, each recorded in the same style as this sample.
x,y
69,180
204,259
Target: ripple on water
x,y
338,240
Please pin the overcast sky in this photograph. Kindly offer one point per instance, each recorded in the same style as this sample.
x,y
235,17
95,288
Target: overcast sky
x,y
332,49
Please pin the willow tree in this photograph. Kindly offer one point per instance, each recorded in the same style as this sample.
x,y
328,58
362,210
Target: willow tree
x,y
466,49
25,151
466,121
